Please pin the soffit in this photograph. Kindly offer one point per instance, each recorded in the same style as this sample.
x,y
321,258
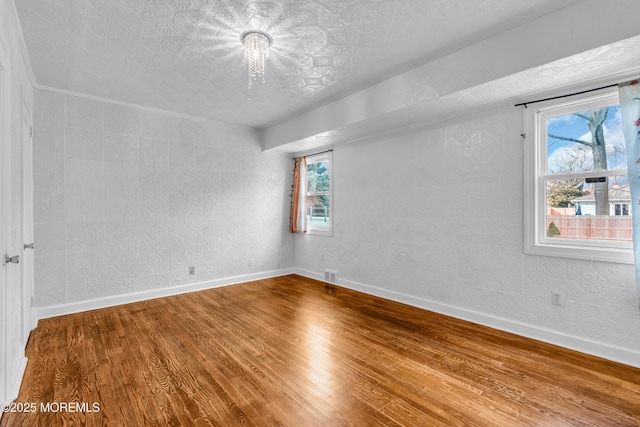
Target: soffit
x,y
186,56
581,72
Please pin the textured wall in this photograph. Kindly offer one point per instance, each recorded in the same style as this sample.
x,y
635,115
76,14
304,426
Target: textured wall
x,y
125,200
437,214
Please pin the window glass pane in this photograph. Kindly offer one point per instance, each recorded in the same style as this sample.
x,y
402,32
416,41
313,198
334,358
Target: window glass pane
x,y
581,211
588,140
318,176
318,211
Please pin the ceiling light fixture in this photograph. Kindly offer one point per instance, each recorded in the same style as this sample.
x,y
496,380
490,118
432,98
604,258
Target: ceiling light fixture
x,y
256,51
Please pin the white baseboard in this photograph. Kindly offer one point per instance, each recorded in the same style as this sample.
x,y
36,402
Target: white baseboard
x,y
110,301
606,351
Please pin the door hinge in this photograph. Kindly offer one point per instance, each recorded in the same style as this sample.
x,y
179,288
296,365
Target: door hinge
x,y
30,131
11,259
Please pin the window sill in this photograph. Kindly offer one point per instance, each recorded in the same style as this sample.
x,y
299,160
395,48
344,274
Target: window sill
x,y
584,252
319,231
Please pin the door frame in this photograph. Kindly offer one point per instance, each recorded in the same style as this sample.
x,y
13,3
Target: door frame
x,y
29,321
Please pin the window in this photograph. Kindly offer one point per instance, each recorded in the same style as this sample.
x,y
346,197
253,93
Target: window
x,y
621,209
319,218
577,201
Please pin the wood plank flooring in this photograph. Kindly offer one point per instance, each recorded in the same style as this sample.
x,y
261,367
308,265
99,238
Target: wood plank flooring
x,y
291,351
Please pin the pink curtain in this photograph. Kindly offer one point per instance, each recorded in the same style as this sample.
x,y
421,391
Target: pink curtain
x,y
630,107
298,219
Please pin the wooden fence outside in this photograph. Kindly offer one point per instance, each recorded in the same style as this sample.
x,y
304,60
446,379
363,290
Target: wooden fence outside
x,y
593,227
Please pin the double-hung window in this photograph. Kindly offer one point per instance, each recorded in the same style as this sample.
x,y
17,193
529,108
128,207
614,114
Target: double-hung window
x,y
577,201
318,206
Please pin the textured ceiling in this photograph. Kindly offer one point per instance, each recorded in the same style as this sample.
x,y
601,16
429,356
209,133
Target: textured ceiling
x,y
186,55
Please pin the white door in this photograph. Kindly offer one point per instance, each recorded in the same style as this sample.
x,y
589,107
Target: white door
x,y
12,177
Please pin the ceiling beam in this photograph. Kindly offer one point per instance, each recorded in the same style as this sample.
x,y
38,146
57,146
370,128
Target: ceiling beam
x,y
489,65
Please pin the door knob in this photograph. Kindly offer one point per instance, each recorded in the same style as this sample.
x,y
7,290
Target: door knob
x,y
13,259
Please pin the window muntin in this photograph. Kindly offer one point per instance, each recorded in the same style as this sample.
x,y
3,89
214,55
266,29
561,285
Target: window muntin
x,y
577,175
318,209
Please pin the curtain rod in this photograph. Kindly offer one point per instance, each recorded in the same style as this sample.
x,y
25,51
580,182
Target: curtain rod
x,y
565,96
319,152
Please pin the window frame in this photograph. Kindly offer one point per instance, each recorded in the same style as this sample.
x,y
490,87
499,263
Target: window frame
x,y
317,158
536,176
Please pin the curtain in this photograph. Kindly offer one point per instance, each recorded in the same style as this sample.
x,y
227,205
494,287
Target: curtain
x,y
630,108
298,218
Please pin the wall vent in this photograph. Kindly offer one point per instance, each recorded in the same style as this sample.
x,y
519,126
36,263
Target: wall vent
x,y
330,276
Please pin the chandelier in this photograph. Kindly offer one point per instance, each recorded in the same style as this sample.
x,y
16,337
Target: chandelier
x,y
256,51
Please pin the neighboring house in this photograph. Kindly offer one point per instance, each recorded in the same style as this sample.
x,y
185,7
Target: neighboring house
x,y
619,202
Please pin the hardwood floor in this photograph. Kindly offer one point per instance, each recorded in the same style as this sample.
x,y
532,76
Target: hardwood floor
x,y
290,351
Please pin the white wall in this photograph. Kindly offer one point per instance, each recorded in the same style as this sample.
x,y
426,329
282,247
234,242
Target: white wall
x,y
127,199
434,217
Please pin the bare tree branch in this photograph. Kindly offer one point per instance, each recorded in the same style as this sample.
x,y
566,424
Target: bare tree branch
x,y
564,138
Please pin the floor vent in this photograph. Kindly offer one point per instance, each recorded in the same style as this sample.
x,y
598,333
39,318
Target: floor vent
x,y
330,276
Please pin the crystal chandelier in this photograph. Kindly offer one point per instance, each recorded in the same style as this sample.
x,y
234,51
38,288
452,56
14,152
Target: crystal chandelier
x,y
256,51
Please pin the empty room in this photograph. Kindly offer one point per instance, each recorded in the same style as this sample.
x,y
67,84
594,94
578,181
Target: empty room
x,y
320,213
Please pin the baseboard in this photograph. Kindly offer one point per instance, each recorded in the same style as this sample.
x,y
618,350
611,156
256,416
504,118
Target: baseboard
x,y
606,351
110,301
